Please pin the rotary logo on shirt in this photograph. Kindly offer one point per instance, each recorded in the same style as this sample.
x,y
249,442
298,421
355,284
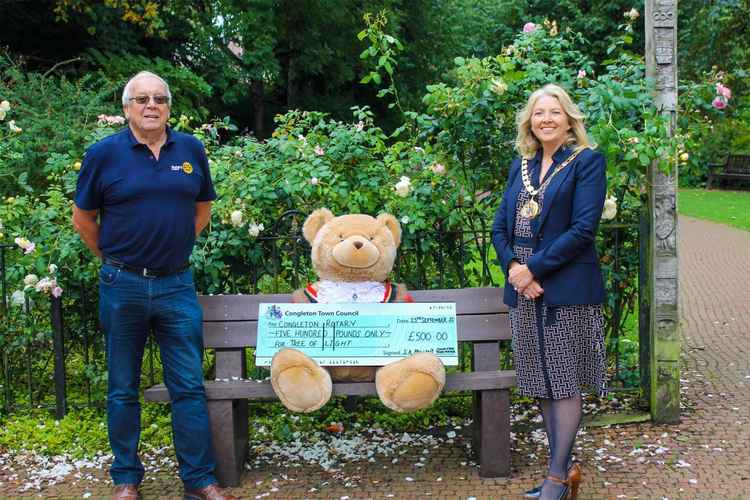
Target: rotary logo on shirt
x,y
187,167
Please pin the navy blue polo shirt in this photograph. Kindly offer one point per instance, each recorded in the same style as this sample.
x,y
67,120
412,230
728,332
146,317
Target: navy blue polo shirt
x,y
146,206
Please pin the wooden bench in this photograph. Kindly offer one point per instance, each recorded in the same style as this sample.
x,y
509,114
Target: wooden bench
x,y
230,327
735,167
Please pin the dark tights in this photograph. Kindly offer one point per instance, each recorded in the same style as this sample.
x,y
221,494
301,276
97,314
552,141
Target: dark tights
x,y
562,417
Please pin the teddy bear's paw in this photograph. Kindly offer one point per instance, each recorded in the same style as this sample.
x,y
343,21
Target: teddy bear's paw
x,y
412,383
299,382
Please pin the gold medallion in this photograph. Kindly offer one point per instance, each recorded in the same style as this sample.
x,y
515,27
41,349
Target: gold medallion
x,y
187,167
530,209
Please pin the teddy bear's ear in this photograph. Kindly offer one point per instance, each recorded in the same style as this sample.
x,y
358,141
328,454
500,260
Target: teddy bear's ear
x,y
314,222
392,224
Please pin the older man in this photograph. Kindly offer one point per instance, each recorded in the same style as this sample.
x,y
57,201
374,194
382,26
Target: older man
x,y
143,196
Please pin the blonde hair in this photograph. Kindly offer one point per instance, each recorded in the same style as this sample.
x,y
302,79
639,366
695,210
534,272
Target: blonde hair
x,y
527,144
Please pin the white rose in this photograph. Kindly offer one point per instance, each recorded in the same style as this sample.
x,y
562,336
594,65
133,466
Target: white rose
x,y
403,187
405,219
4,106
236,218
30,280
52,268
610,208
499,87
18,298
314,181
684,157
255,229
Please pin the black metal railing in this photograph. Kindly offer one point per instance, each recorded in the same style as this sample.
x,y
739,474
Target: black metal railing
x,y
53,354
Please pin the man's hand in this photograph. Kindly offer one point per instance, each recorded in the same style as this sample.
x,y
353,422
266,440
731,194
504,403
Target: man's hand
x,y
519,276
202,216
85,222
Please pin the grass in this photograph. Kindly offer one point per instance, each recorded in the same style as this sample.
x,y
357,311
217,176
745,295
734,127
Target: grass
x,y
726,207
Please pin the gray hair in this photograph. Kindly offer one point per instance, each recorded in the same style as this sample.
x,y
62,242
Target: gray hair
x,y
129,86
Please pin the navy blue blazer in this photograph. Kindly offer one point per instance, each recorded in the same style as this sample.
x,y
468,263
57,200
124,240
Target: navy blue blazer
x,y
565,261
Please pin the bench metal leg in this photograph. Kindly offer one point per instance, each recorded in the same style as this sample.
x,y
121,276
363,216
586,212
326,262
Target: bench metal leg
x,y
229,434
492,432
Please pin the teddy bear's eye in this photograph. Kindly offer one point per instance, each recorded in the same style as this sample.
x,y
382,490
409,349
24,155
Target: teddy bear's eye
x,y
341,237
372,238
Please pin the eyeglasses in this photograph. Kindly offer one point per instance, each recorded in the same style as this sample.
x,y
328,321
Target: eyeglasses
x,y
143,99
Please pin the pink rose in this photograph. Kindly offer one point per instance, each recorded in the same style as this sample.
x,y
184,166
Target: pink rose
x,y
57,291
581,73
529,27
437,168
724,91
719,102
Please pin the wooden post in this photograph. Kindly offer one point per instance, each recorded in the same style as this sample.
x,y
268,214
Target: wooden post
x,y
661,65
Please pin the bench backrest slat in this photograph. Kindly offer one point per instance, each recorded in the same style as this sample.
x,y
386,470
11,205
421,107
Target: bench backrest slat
x,y
738,164
245,307
231,321
471,328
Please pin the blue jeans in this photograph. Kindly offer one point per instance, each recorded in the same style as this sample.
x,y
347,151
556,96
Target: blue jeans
x,y
130,306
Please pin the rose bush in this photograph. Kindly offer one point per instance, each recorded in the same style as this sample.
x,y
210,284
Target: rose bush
x,y
442,174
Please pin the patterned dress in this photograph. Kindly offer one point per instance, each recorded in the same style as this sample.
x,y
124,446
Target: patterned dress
x,y
558,351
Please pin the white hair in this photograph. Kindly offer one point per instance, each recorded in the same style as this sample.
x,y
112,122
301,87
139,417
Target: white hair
x,y
129,86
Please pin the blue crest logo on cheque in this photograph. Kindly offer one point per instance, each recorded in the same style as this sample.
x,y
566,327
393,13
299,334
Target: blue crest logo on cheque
x,y
274,312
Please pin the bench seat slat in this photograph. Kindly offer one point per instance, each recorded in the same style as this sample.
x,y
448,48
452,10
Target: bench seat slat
x,y
245,307
236,334
236,389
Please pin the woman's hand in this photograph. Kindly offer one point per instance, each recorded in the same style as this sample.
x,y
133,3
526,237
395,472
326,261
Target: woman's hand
x,y
533,291
519,276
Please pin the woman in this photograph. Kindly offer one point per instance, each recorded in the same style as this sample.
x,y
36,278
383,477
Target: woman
x,y
544,235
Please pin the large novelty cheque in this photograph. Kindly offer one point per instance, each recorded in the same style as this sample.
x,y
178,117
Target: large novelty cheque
x,y
358,334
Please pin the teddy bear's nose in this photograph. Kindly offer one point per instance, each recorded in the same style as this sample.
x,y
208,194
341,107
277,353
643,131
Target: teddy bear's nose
x,y
357,245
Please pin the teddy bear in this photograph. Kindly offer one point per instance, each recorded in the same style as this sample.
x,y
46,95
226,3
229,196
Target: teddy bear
x,y
352,256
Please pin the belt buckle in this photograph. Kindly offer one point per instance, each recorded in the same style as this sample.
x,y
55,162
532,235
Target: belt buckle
x,y
147,274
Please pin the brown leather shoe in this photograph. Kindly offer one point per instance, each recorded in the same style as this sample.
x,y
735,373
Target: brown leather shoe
x,y
212,492
125,492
